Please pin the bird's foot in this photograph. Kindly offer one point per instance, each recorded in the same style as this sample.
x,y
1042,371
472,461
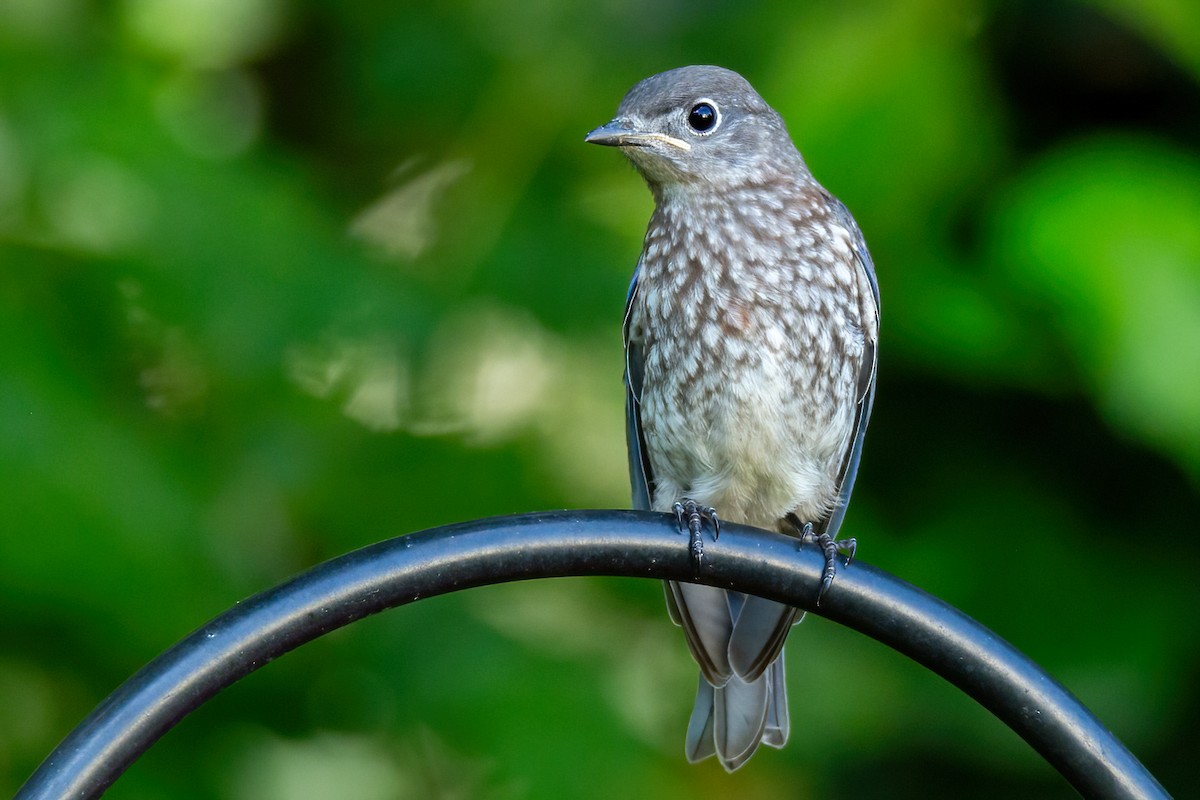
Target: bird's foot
x,y
691,517
830,547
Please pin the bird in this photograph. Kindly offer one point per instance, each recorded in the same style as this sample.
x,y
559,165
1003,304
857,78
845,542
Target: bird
x,y
750,331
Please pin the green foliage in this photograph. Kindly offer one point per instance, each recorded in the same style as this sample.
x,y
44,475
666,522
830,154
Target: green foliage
x,y
280,279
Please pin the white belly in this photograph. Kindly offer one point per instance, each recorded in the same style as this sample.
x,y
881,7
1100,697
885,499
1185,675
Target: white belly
x,y
751,443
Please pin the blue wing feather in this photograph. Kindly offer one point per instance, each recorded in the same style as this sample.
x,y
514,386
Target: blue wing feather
x,y
866,377
641,479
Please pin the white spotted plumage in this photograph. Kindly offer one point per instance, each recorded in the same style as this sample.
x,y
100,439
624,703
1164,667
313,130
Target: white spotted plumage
x,y
740,407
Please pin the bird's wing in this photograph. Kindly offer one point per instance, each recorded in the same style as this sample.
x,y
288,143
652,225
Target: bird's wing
x,y
640,477
868,290
759,631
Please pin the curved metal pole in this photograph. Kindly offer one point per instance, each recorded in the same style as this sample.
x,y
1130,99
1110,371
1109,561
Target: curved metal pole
x,y
621,543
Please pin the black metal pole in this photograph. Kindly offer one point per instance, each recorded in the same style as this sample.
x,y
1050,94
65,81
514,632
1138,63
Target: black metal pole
x,y
621,543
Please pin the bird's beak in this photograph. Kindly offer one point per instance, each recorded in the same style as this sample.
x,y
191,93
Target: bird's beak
x,y
612,134
618,134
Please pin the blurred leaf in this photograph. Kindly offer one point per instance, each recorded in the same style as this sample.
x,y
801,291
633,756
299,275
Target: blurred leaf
x,y
1104,233
1173,23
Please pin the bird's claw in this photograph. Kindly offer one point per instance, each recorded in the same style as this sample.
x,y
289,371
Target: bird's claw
x,y
830,547
690,517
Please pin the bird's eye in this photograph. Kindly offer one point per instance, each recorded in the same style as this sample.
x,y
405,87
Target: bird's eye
x,y
703,117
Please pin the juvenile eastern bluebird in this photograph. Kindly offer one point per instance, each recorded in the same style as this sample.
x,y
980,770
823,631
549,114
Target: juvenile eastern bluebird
x,y
750,333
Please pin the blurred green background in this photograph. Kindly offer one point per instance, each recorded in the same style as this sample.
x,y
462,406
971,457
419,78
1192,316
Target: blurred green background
x,y
280,279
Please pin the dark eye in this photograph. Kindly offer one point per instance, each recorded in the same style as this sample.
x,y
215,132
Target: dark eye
x,y
703,117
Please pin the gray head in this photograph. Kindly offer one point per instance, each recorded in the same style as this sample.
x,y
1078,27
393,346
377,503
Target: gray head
x,y
700,127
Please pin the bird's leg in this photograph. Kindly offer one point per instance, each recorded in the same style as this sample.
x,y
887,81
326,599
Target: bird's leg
x,y
830,547
691,518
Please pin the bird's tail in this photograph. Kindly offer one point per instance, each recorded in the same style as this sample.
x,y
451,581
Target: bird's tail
x,y
731,721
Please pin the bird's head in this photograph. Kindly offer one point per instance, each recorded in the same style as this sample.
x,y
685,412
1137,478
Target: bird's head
x,y
698,127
